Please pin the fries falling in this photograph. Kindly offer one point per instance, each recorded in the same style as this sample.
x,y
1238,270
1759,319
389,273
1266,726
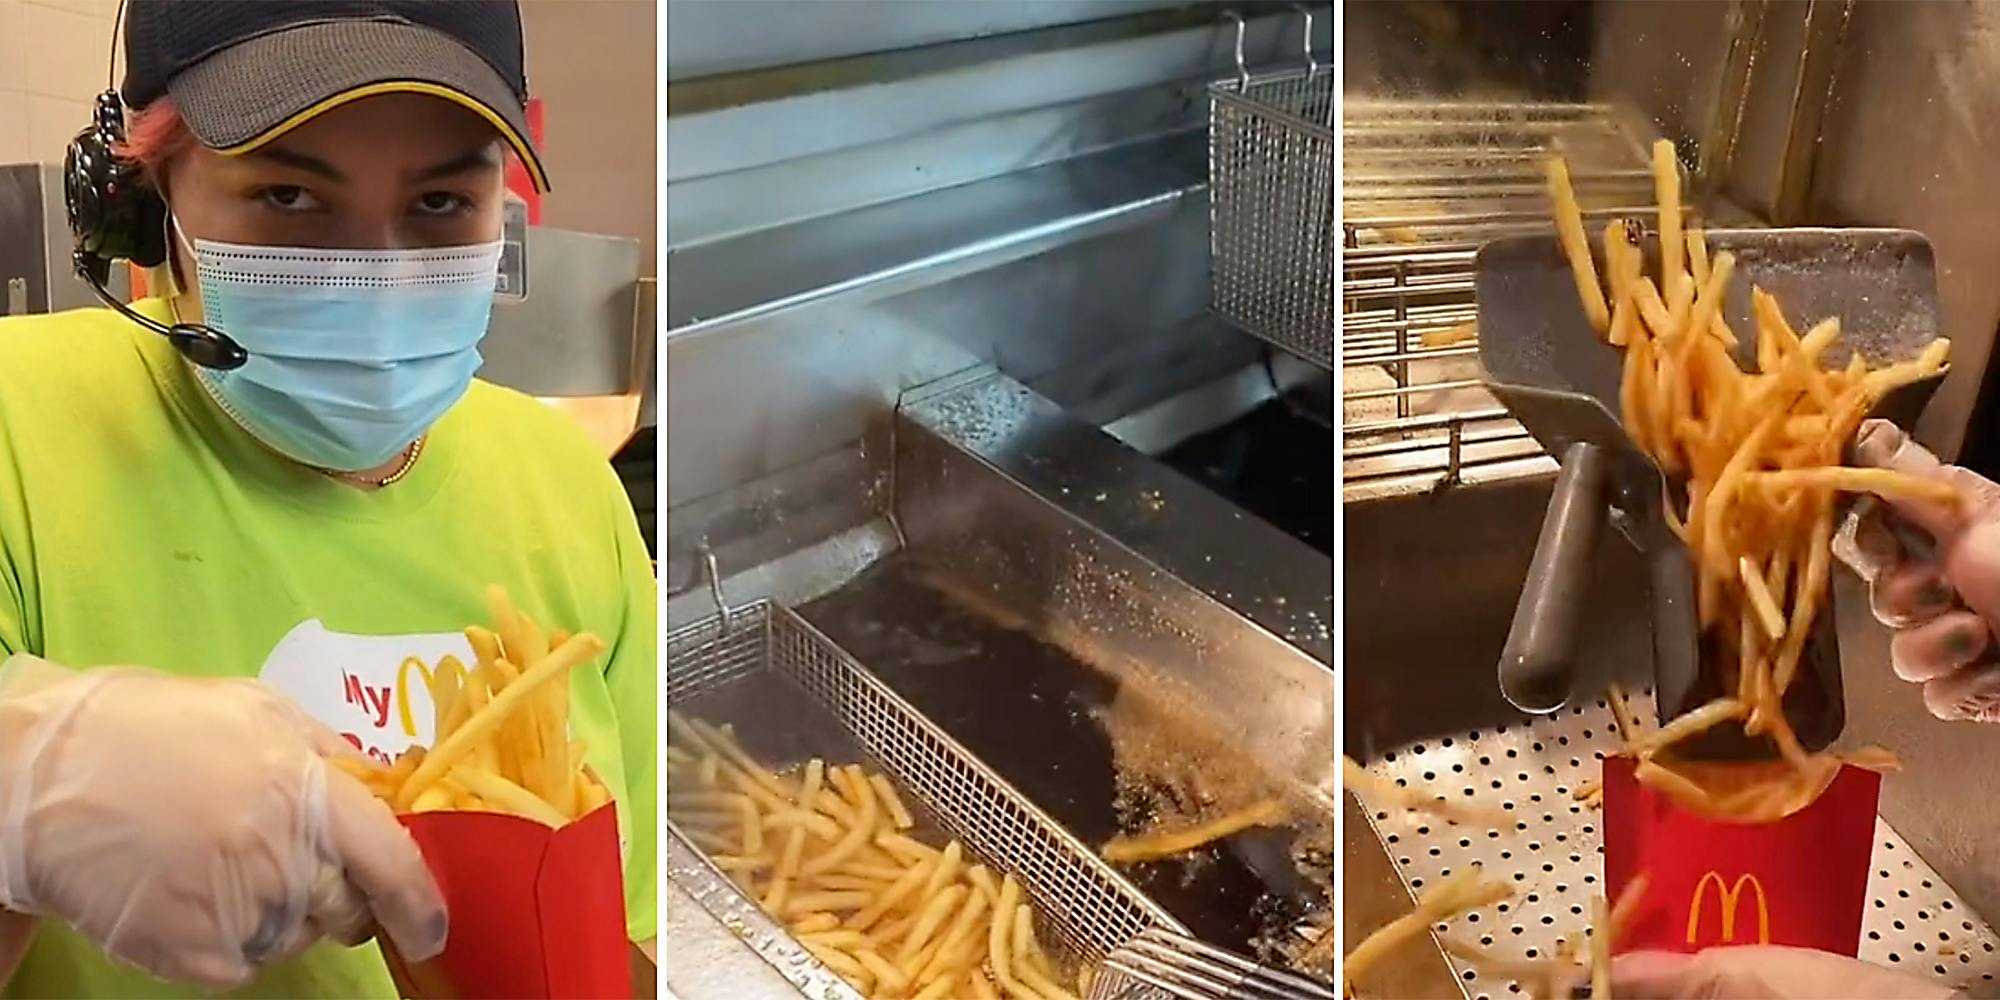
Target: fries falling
x,y
827,854
502,738
1467,890
1756,456
1167,843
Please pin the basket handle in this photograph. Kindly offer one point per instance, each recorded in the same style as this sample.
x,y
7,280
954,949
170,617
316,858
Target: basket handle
x,y
1242,71
1305,45
714,574
1312,65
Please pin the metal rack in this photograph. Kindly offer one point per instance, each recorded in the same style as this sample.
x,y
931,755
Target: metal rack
x,y
1271,202
1424,184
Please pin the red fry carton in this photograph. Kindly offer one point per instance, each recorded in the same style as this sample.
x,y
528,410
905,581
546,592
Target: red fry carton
x,y
1801,881
535,912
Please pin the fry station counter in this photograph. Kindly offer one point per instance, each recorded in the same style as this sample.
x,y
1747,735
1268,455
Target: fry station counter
x,y
973,485
1449,112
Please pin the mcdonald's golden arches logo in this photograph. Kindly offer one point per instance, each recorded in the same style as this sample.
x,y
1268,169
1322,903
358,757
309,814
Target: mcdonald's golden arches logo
x,y
1729,896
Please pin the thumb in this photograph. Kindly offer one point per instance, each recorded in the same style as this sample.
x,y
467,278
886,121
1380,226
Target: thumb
x,y
1883,445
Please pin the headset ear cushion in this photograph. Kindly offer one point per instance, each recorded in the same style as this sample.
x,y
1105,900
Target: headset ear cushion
x,y
82,191
114,213
148,227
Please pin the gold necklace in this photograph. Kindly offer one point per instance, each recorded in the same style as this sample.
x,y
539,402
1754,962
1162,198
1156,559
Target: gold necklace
x,y
402,468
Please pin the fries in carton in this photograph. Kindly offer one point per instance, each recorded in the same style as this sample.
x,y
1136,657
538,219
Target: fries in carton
x,y
1801,880
521,836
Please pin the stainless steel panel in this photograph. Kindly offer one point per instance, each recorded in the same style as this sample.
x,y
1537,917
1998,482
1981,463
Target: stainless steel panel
x,y
35,244
23,256
1100,300
1910,142
574,334
646,351
919,241
1180,530
782,150
708,36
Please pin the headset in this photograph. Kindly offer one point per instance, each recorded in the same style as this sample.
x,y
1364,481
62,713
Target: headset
x,y
115,214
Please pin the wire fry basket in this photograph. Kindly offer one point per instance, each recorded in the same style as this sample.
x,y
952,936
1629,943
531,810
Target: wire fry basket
x,y
1271,233
780,679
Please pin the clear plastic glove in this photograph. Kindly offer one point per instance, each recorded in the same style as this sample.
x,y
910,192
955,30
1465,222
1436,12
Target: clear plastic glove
x,y
1934,576
1763,972
192,827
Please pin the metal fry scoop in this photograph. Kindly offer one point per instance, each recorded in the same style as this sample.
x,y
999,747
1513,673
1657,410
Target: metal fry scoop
x,y
1561,382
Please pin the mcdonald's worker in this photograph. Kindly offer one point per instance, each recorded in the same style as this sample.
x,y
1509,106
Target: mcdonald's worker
x,y
218,544
1764,972
1934,577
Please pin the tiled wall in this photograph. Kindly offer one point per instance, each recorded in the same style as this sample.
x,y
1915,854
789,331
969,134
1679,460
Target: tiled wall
x,y
52,64
593,64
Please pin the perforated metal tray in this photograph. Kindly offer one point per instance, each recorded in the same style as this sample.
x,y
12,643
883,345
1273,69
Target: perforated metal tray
x,y
1554,854
792,694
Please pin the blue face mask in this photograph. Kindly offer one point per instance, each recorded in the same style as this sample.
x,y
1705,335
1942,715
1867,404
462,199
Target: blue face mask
x,y
354,354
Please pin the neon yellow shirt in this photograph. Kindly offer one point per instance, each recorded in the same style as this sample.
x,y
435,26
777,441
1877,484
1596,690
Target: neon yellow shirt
x,y
140,525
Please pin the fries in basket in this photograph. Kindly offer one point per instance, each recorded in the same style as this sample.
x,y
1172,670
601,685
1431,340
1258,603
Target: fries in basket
x,y
1756,455
830,855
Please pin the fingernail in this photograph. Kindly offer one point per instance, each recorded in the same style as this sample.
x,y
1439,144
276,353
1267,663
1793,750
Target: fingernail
x,y
1964,643
275,920
439,929
1877,442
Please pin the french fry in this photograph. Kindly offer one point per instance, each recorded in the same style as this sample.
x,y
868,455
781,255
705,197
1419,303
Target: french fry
x,y
1667,191
1269,812
1653,308
855,838
839,961
1886,483
1617,245
889,978
1354,776
1697,250
1600,950
1761,601
887,793
939,989
934,914
894,895
1576,246
1463,891
1621,713
999,944
1700,720
961,932
981,987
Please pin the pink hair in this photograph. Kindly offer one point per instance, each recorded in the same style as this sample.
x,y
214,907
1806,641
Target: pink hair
x,y
155,135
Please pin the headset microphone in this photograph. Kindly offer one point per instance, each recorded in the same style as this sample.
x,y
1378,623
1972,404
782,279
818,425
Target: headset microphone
x,y
114,214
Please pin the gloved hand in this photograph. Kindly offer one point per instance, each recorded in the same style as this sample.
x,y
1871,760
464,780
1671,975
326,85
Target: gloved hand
x,y
192,827
1763,972
1934,577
